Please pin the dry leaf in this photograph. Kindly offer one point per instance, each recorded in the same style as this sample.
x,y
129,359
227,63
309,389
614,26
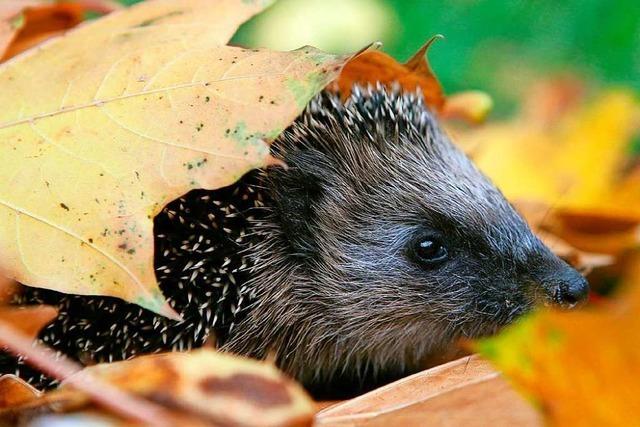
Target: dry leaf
x,y
8,288
464,392
15,391
17,398
49,362
374,66
582,261
201,387
576,164
115,119
541,219
29,320
25,23
596,231
35,22
220,388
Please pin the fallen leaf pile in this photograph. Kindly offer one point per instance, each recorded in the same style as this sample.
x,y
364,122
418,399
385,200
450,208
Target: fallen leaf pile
x,y
105,124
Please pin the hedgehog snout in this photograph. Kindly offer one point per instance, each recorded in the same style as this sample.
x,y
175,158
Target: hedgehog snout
x,y
564,286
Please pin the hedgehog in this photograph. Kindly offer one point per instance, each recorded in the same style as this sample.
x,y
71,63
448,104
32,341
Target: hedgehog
x,y
377,246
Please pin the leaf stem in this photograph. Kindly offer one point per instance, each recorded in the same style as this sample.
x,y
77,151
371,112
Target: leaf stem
x,y
101,392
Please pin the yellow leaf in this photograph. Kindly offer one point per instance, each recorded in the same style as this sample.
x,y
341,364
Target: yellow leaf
x,y
472,106
102,127
575,160
575,165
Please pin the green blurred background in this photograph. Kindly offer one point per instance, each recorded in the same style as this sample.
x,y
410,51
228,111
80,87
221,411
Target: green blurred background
x,y
494,45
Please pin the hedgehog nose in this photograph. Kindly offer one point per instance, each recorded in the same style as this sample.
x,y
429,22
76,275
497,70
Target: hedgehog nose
x,y
569,288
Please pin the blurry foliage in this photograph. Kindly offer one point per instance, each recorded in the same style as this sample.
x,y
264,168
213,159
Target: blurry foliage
x,y
569,162
496,46
331,25
493,45
501,46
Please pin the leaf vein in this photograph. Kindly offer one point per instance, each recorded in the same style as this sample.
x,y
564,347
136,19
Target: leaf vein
x,y
21,211
98,103
67,151
167,143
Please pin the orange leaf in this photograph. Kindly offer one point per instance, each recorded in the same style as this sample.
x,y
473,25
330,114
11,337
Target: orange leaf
x,y
8,288
373,66
28,320
26,23
15,391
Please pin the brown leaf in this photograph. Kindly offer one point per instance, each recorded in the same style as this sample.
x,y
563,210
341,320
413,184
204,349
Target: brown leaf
x,y
544,220
18,400
45,359
373,66
223,389
464,392
608,233
583,261
15,391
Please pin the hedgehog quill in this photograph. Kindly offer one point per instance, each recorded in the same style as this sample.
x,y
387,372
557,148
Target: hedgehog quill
x,y
378,245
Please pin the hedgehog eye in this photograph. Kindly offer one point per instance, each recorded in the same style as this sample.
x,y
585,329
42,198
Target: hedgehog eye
x,y
428,250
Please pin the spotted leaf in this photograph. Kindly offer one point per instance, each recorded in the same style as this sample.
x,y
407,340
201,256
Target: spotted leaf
x,y
102,127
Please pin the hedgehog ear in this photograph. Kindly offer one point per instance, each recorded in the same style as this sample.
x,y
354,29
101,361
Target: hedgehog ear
x,y
295,192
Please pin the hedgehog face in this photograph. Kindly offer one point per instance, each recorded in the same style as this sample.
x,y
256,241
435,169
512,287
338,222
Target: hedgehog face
x,y
393,243
409,229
